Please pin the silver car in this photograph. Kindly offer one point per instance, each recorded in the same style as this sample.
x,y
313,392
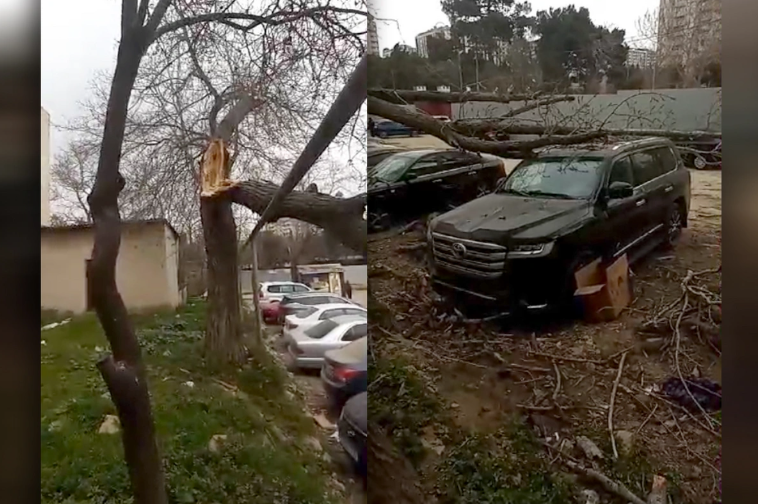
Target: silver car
x,y
306,348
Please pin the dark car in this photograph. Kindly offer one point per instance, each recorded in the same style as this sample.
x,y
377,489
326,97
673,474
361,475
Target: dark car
x,y
386,129
352,429
292,303
377,154
520,246
345,372
412,183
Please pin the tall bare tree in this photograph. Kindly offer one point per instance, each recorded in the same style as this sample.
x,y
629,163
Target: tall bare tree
x,y
143,23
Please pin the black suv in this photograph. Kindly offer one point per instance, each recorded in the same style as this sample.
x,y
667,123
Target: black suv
x,y
518,247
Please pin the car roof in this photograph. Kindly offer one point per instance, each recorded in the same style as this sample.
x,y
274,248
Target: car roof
x,y
327,306
282,283
603,148
311,294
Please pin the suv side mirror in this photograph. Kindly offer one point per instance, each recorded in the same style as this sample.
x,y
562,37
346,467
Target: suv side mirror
x,y
620,190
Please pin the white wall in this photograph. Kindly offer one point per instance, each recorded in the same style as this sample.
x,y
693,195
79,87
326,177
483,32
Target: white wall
x,y
45,168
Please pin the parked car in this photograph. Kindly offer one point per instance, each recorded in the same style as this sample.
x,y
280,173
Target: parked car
x,y
386,129
520,246
307,348
345,373
702,154
377,154
270,295
293,303
352,429
409,184
310,315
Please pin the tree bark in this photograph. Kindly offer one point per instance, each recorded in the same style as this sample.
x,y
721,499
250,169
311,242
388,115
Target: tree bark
x,y
338,217
223,332
124,372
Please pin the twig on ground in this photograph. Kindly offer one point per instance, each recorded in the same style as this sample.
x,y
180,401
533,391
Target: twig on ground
x,y
646,420
612,401
558,381
411,247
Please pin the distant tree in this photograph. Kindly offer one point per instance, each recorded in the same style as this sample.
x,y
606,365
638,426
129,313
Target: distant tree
x,y
485,24
571,46
440,49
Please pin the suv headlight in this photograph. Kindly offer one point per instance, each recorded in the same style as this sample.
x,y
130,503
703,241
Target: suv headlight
x,y
531,250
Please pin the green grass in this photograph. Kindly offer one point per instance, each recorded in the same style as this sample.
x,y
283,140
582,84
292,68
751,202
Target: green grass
x,y
264,458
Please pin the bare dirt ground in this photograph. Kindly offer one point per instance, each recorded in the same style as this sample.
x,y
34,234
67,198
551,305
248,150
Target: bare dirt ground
x,y
559,378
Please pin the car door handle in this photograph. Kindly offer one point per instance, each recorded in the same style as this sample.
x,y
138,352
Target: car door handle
x,y
640,202
669,188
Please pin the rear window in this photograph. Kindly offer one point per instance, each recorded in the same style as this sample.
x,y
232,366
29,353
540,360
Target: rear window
x,y
305,311
321,329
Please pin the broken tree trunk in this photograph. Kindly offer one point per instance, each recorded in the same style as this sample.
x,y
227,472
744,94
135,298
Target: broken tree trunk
x,y
339,218
224,341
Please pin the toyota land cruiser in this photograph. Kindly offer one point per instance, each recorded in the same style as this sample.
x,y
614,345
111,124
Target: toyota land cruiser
x,y
518,247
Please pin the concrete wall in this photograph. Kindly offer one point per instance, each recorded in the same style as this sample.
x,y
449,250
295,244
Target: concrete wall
x,y
146,274
45,168
682,109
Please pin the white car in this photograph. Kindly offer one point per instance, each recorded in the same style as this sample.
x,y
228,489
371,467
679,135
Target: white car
x,y
275,291
309,316
307,348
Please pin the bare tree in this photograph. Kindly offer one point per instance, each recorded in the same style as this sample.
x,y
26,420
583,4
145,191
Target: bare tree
x,y
686,37
142,24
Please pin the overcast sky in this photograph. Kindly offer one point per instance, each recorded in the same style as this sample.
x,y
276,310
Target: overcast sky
x,y
417,16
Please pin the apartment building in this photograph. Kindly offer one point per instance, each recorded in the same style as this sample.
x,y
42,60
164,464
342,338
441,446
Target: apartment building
x,y
422,39
372,37
639,57
689,33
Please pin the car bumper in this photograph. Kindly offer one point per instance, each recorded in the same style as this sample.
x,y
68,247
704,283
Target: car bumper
x,y
526,285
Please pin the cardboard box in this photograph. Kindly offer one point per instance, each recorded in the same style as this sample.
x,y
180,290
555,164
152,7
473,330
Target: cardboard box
x,y
603,291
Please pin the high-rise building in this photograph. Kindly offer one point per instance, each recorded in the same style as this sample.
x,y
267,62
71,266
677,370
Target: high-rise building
x,y
45,168
372,37
640,57
689,32
422,46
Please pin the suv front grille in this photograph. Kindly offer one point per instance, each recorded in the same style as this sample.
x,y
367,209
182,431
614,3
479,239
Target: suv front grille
x,y
468,257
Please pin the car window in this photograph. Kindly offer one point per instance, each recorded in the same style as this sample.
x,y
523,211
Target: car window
x,y
666,159
300,288
394,167
313,300
427,165
356,332
621,171
328,314
321,329
274,289
645,167
354,311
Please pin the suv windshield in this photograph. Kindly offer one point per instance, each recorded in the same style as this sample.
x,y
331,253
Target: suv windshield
x,y
568,178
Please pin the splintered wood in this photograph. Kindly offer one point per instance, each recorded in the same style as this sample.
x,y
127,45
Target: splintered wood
x,y
215,169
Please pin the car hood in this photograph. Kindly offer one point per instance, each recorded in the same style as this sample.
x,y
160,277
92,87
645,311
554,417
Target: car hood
x,y
497,218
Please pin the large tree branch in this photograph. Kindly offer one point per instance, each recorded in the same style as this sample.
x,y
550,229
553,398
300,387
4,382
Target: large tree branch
x,y
277,18
338,217
401,96
443,131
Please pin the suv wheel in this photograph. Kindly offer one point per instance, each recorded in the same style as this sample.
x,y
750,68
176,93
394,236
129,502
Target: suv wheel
x,y
700,162
674,225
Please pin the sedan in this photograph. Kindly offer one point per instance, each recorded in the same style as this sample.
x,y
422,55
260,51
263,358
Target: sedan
x,y
386,129
345,373
352,429
307,348
410,184
293,303
309,316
